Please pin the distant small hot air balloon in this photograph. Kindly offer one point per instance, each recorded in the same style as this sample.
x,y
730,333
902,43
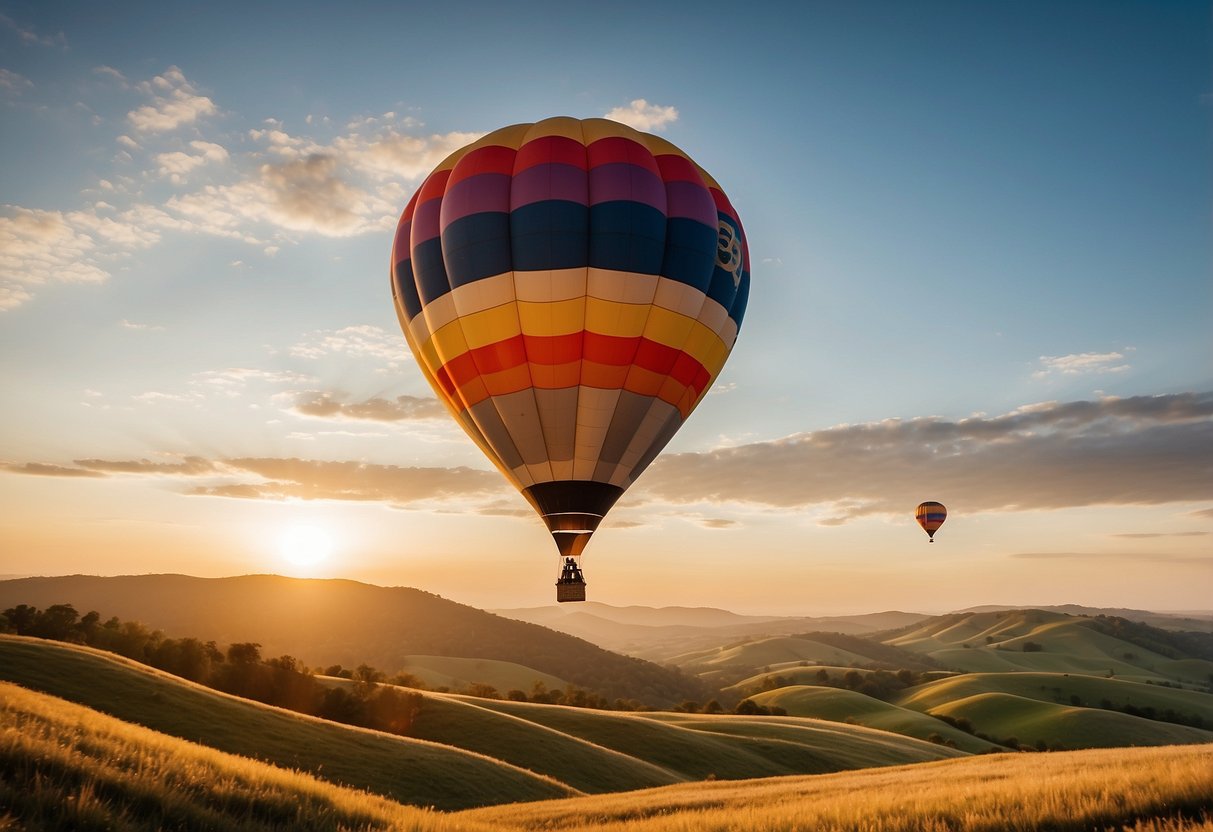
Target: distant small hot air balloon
x,y
930,515
570,289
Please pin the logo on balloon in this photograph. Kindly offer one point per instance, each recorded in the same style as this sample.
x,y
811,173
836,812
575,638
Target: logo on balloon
x,y
728,251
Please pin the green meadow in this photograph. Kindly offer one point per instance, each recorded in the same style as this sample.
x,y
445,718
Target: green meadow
x,y
462,751
407,770
66,767
458,674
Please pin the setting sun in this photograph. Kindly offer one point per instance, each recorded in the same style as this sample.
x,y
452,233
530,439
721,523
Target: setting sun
x,y
305,545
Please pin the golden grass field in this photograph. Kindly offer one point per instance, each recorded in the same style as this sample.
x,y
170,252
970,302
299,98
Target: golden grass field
x,y
66,767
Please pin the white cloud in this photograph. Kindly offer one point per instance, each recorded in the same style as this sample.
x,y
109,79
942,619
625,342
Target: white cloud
x,y
644,116
29,37
175,102
365,341
275,191
14,82
1144,450
125,324
1082,363
175,164
110,72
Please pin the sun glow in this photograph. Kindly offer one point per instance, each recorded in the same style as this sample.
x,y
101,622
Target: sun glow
x,y
305,546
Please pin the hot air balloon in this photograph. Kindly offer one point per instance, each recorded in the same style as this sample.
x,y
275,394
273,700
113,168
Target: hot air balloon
x,y
930,515
570,289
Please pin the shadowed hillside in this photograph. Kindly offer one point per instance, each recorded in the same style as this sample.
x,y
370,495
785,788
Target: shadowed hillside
x,y
1039,640
65,767
661,633
327,622
506,751
407,770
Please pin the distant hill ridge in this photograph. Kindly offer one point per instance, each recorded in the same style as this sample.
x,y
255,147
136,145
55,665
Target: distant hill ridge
x,y
333,621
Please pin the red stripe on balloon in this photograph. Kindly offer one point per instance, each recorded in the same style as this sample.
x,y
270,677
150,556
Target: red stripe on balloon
x,y
490,159
559,150
475,374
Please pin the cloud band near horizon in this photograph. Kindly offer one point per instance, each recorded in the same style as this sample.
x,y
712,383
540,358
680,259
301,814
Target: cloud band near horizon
x,y
1143,450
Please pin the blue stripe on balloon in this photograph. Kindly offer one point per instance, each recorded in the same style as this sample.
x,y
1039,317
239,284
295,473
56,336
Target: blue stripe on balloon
x,y
737,310
551,234
690,253
430,271
723,288
406,288
476,247
627,237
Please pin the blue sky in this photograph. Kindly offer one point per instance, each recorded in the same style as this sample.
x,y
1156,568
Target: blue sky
x,y
981,262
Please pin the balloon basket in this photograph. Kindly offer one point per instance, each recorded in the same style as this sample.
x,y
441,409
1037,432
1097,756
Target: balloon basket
x,y
570,592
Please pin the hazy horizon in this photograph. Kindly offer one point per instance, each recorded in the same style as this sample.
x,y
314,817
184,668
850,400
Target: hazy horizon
x,y
980,275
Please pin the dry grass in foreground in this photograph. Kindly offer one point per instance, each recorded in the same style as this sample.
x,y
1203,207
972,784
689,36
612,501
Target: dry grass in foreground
x,y
66,767
1167,789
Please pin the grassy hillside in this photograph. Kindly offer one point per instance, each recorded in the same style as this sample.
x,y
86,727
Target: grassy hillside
x,y
466,751
407,770
849,706
1030,721
1140,789
1037,640
1061,689
659,634
459,674
697,746
67,767
327,622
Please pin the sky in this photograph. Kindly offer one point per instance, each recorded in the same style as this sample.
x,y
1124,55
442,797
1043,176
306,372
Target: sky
x,y
980,241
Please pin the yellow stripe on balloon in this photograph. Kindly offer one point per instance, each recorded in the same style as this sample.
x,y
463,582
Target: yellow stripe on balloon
x,y
490,326
620,320
546,319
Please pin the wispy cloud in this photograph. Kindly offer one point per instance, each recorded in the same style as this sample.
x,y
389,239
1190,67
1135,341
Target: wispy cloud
x,y
29,37
1188,560
190,466
42,469
402,408
177,163
363,341
1145,450
1141,450
1149,535
175,102
644,116
14,82
270,188
359,481
1082,363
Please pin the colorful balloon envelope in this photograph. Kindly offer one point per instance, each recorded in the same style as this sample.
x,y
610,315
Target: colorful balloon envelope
x,y
930,516
571,289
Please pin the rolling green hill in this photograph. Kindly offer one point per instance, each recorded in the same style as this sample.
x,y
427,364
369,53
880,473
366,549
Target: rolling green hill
x,y
406,770
341,622
1135,790
1030,721
66,767
1062,689
1038,640
849,706
507,750
460,674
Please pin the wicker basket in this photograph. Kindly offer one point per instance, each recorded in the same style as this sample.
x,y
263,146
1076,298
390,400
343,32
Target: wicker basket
x,y
570,592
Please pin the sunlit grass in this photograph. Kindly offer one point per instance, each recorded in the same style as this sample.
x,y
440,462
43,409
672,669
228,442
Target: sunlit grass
x,y
65,767
408,770
1141,789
